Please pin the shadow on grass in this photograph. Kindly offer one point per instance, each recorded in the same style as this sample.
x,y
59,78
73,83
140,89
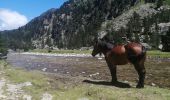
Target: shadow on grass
x,y
116,84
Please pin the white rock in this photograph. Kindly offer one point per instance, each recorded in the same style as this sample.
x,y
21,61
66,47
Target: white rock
x,y
44,69
27,84
83,99
153,84
100,58
47,96
83,72
27,97
55,70
126,81
94,74
68,72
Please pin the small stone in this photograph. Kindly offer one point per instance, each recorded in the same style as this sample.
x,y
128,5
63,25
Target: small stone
x,y
27,97
83,72
153,84
100,58
83,99
27,84
126,81
68,72
55,70
47,96
44,69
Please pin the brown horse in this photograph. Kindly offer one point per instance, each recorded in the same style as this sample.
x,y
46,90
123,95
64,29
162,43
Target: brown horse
x,y
133,53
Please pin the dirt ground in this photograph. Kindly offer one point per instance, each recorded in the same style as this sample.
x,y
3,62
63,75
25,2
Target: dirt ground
x,y
158,70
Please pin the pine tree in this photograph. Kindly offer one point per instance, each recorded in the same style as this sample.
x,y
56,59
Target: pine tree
x,y
159,3
155,38
3,46
49,43
166,41
146,32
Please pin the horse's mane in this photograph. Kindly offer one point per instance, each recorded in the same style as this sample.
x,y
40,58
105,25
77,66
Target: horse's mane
x,y
105,45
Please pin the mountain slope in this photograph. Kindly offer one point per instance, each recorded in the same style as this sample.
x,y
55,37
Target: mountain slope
x,y
73,25
77,22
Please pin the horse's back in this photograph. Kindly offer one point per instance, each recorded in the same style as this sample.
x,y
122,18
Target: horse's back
x,y
118,55
122,54
118,49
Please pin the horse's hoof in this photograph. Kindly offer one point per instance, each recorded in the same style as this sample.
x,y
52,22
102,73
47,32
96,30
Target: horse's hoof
x,y
114,82
140,86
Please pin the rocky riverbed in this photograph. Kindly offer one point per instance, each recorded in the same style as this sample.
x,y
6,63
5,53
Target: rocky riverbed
x,y
74,65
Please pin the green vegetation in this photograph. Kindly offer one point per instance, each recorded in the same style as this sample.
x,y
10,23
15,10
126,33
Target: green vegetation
x,y
38,80
110,93
18,75
62,51
156,53
167,2
3,46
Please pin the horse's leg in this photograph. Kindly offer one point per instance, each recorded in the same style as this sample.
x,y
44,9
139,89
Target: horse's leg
x,y
141,72
112,69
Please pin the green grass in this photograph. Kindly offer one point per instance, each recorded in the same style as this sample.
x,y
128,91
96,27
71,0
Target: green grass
x,y
156,53
62,91
108,93
62,51
38,80
18,75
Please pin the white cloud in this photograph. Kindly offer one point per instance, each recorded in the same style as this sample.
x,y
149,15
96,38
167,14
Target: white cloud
x,y
11,19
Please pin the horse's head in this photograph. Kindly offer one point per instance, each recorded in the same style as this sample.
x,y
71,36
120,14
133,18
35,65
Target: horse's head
x,y
101,46
97,48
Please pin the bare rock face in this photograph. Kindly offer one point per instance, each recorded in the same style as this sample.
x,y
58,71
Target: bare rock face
x,y
164,27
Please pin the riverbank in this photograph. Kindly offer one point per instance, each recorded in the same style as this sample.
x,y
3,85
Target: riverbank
x,y
17,83
151,53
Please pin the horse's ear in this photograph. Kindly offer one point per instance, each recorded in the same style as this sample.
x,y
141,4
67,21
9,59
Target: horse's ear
x,y
94,40
100,54
99,41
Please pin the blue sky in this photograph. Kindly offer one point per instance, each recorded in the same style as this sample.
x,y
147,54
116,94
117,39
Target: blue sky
x,y
30,8
16,13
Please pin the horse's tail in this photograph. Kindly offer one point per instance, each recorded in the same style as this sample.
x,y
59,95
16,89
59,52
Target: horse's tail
x,y
132,57
143,53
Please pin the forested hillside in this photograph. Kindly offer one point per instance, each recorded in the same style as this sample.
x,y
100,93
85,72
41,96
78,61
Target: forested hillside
x,y
77,22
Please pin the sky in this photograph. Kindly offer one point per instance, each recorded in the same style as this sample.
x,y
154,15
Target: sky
x,y
16,13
